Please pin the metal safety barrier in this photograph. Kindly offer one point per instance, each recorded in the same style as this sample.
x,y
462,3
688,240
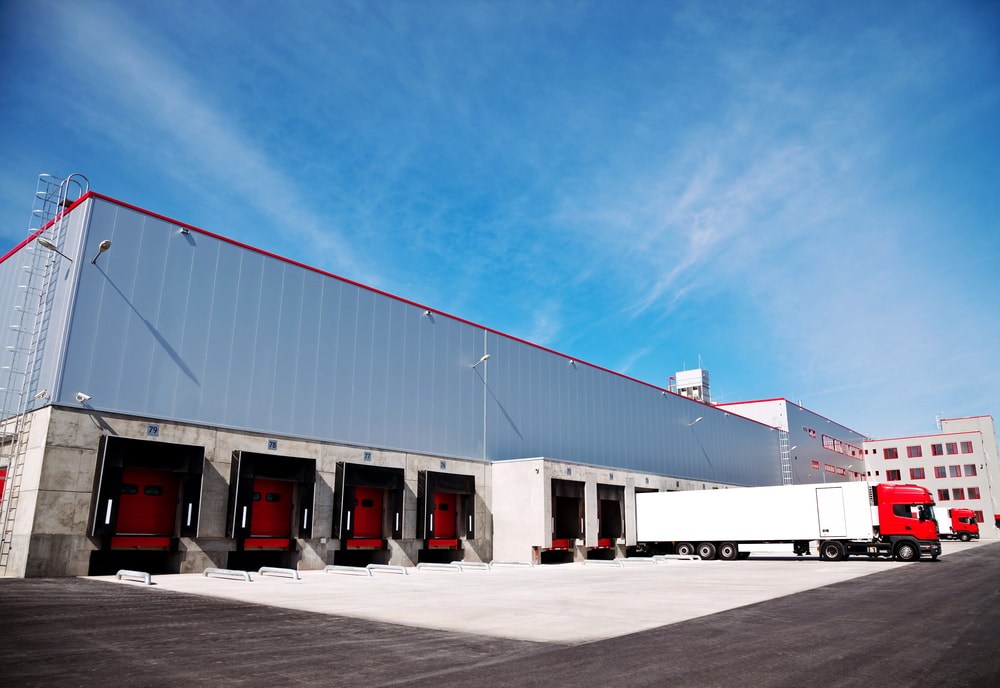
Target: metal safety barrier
x,y
351,570
275,571
496,563
388,568
482,565
637,560
124,573
229,573
605,562
666,557
437,567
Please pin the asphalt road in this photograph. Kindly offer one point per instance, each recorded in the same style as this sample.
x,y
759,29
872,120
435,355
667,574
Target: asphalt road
x,y
923,624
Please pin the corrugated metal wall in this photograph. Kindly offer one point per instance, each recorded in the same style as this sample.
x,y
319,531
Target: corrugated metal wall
x,y
189,327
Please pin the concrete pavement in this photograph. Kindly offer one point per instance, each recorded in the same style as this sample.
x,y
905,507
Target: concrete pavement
x,y
765,622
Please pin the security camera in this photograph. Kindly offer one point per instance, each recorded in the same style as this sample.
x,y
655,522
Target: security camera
x,y
81,397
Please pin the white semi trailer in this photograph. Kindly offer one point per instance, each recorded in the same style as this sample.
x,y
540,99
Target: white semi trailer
x,y
843,518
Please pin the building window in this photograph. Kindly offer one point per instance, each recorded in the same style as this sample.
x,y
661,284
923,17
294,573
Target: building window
x,y
914,452
966,447
952,447
892,475
937,450
970,470
890,453
940,472
958,493
942,495
973,493
979,516
955,471
917,474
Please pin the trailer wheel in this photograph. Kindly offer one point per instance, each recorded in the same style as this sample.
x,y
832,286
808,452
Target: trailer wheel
x,y
728,551
831,551
684,548
964,537
706,550
907,551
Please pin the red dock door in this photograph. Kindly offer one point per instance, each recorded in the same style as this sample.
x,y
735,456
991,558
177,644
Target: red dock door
x,y
368,512
272,508
148,502
445,515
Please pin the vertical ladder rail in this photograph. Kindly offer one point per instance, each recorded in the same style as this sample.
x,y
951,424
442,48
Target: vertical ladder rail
x,y
786,458
19,374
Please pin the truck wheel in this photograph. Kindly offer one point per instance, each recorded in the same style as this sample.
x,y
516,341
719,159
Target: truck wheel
x,y
831,551
907,551
684,548
728,551
964,537
706,550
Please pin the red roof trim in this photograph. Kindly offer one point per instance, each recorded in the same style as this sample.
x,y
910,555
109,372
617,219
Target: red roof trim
x,y
38,232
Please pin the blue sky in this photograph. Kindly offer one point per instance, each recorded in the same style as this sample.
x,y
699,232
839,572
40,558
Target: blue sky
x,y
803,196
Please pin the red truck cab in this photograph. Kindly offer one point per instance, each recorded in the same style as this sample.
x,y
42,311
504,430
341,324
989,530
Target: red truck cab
x,y
906,514
960,524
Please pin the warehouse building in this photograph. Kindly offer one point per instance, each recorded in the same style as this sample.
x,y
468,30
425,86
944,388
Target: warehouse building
x,y
174,400
958,465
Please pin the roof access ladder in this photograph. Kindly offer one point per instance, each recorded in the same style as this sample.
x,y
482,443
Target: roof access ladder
x,y
27,324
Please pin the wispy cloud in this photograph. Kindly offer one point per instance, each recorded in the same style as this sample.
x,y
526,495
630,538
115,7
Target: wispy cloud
x,y
145,102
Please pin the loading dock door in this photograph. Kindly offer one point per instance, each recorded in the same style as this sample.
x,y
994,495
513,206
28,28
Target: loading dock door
x,y
443,524
272,508
148,508
367,512
146,491
368,505
446,504
830,505
567,512
610,514
270,499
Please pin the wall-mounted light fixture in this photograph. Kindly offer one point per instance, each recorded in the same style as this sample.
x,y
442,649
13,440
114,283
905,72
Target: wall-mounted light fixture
x,y
696,420
185,230
485,358
82,398
46,244
44,394
104,246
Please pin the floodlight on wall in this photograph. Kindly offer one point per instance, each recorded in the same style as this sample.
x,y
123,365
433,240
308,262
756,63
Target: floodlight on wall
x,y
46,244
44,394
696,420
82,398
485,358
104,246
